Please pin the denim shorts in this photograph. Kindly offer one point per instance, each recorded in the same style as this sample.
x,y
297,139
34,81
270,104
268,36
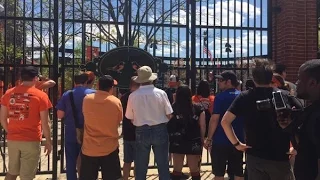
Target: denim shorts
x,y
129,150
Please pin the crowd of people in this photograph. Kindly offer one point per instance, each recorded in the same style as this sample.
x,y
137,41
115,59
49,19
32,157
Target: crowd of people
x,y
271,123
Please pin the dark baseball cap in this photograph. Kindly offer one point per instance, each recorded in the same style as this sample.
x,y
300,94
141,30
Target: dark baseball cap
x,y
228,75
29,71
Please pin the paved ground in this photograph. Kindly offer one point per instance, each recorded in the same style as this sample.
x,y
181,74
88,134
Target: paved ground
x,y
45,164
152,175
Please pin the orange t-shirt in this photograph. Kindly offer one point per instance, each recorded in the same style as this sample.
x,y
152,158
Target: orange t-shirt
x,y
102,116
206,103
24,105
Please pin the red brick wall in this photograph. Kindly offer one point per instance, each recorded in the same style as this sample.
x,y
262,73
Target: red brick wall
x,y
294,33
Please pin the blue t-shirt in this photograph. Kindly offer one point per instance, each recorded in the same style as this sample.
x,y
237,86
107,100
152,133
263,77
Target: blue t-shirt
x,y
222,103
64,104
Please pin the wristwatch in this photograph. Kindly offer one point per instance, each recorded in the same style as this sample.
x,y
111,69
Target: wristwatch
x,y
236,144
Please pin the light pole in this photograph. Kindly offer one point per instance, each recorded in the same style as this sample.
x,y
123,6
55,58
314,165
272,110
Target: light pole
x,y
228,50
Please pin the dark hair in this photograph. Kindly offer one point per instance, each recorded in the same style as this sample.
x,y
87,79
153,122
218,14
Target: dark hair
x,y
106,82
262,71
28,73
81,78
312,69
249,84
183,104
27,77
203,88
280,68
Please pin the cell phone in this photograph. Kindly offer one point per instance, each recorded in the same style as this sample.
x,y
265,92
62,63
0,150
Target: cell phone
x,y
278,100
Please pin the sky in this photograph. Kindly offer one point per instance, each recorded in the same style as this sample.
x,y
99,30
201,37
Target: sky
x,y
241,23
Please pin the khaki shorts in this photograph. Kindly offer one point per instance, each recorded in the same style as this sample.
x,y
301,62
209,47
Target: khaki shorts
x,y
23,158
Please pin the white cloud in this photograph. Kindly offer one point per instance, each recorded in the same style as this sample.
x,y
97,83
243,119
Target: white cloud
x,y
214,15
236,43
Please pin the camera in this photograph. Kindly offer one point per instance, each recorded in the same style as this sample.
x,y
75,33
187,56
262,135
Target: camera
x,y
277,103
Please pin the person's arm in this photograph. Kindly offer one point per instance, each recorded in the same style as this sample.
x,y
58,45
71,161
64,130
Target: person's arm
x,y
60,114
202,123
44,107
4,118
213,124
236,108
226,124
4,111
61,106
47,83
45,121
120,116
214,121
129,109
167,106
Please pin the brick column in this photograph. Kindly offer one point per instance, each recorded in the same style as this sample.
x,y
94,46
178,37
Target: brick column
x,y
294,33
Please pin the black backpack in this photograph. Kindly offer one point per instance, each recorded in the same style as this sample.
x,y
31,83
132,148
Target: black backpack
x,y
178,127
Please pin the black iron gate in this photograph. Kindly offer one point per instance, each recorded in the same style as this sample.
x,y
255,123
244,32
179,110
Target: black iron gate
x,y
190,38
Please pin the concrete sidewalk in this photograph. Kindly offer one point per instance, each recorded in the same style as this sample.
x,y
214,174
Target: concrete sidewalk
x,y
152,175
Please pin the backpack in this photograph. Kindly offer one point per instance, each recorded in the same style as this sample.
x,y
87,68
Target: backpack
x,y
178,127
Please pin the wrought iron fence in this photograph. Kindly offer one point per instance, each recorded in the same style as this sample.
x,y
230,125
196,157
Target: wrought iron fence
x,y
192,37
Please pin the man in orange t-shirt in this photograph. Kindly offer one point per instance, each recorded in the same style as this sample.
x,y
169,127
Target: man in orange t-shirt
x,y
24,113
100,148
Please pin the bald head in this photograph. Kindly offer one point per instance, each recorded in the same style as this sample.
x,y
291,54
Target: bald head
x,y
308,85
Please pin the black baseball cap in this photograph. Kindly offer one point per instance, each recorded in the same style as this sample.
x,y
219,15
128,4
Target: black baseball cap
x,y
30,71
228,75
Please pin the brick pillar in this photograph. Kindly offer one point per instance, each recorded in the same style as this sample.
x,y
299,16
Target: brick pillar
x,y
294,33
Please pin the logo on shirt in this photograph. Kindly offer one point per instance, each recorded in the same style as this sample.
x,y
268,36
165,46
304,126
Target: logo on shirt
x,y
19,106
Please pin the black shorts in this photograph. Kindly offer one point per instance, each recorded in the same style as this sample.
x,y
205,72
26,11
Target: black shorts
x,y
222,155
110,167
192,147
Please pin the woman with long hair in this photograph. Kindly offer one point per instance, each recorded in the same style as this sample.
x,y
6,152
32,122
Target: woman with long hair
x,y
204,99
186,133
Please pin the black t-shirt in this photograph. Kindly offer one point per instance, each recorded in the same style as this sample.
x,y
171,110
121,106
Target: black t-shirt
x,y
170,92
262,132
128,129
306,162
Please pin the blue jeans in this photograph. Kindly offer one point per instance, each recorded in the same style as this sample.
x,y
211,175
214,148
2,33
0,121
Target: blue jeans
x,y
157,138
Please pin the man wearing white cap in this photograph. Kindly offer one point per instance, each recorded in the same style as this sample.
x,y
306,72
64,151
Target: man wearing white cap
x,y
149,109
173,84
